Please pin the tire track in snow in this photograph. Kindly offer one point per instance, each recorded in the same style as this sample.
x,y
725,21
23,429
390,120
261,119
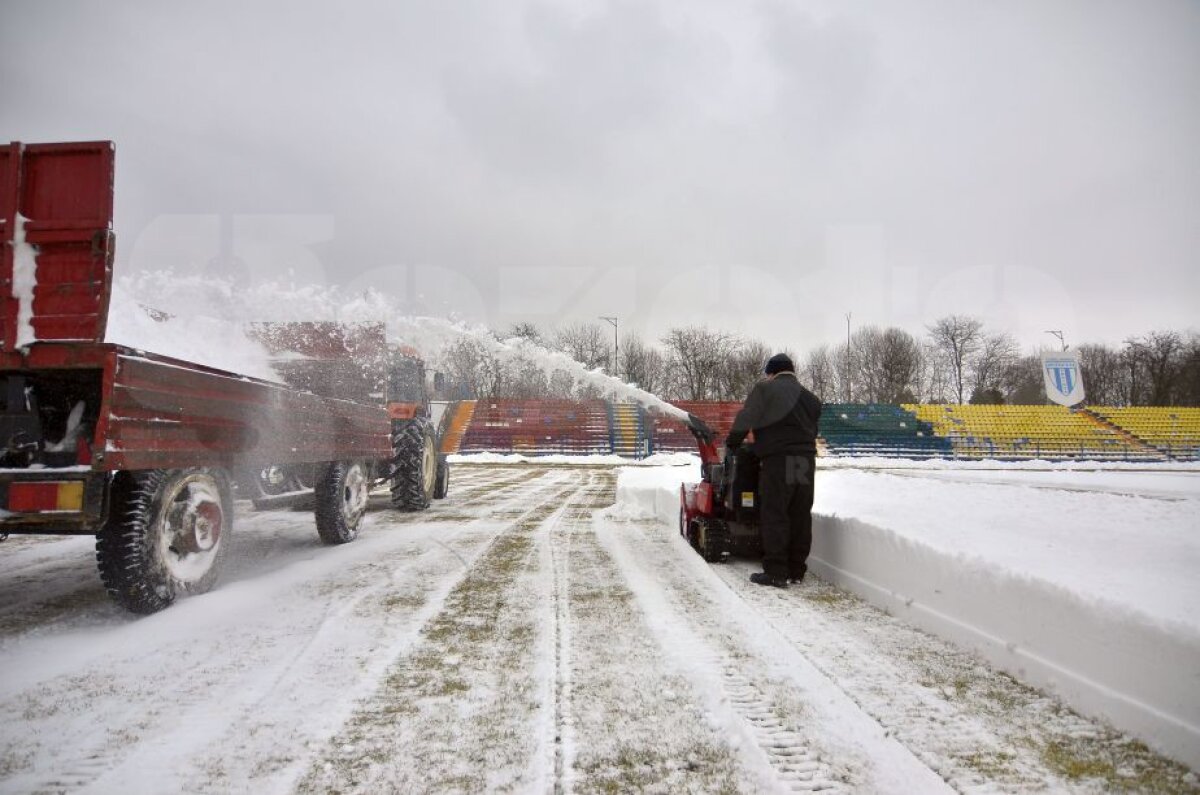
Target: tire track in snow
x,y
60,589
559,554
804,732
624,721
474,539
978,728
146,723
460,702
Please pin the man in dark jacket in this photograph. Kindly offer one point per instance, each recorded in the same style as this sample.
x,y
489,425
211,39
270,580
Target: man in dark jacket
x,y
783,415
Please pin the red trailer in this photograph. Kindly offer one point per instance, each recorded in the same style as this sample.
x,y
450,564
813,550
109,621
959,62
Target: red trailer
x,y
138,449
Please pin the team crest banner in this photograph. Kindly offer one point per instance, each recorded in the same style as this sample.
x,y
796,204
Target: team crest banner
x,y
1064,381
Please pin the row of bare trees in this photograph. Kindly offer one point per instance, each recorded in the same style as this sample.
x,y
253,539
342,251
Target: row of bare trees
x,y
957,360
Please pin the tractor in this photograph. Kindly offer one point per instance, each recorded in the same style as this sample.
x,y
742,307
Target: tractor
x,y
355,361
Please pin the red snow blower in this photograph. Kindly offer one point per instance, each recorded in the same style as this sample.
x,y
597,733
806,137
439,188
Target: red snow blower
x,y
719,515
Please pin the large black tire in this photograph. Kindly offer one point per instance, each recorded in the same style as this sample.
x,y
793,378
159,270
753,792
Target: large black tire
x,y
442,487
166,534
342,491
414,464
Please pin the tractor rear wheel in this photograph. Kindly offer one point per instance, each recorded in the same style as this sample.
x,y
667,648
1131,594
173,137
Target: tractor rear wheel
x,y
414,464
342,492
165,536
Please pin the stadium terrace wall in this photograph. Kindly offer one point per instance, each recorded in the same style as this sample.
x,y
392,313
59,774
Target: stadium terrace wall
x,y
545,427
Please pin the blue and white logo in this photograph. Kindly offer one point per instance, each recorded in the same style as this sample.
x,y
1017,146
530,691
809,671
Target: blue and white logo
x,y
1064,383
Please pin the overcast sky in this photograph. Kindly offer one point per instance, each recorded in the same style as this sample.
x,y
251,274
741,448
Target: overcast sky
x,y
764,167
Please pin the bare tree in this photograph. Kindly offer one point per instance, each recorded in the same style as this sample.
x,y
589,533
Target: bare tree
x,y
1105,377
526,331
642,364
1157,364
1189,382
524,379
743,366
1023,384
585,343
820,373
471,370
995,355
886,364
933,375
695,355
957,338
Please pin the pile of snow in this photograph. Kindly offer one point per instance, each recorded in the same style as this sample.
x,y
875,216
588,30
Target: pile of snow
x,y
1083,583
1035,464
652,492
210,341
656,460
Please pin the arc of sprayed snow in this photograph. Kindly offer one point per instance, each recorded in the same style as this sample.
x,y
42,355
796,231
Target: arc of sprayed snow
x,y
426,333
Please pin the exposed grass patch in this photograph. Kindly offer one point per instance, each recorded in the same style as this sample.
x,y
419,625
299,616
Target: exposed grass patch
x,y
1122,766
406,601
464,689
991,764
830,597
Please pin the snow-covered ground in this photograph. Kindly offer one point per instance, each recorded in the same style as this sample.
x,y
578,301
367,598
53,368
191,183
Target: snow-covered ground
x,y
527,635
1082,581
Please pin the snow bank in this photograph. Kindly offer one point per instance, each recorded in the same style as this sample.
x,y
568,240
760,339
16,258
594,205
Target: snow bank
x,y
656,460
1033,464
652,493
1082,583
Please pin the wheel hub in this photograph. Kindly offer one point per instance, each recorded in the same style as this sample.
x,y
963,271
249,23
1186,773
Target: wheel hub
x,y
196,528
355,492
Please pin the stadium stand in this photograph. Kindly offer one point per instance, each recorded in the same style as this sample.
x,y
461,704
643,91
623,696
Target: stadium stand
x,y
879,429
626,430
538,427
1029,432
456,425
852,429
1173,431
670,435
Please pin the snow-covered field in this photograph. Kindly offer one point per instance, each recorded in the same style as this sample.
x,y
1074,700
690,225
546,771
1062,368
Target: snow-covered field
x,y
1080,581
527,635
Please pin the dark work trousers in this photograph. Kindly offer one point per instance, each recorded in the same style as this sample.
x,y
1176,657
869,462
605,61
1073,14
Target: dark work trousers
x,y
785,487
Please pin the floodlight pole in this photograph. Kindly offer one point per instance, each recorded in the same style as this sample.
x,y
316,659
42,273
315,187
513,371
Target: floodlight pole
x,y
616,350
1058,333
849,395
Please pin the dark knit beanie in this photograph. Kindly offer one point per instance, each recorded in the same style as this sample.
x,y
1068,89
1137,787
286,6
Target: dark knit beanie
x,y
780,363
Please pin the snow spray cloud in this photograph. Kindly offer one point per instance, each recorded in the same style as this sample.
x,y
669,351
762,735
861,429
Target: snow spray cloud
x,y
202,319
427,333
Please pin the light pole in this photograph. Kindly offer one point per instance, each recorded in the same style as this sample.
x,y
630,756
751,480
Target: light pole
x,y
1058,333
847,373
613,321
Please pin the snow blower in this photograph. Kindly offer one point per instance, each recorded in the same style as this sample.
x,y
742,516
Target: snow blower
x,y
719,515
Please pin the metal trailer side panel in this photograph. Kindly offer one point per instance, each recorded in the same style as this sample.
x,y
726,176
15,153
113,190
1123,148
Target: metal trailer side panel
x,y
159,414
